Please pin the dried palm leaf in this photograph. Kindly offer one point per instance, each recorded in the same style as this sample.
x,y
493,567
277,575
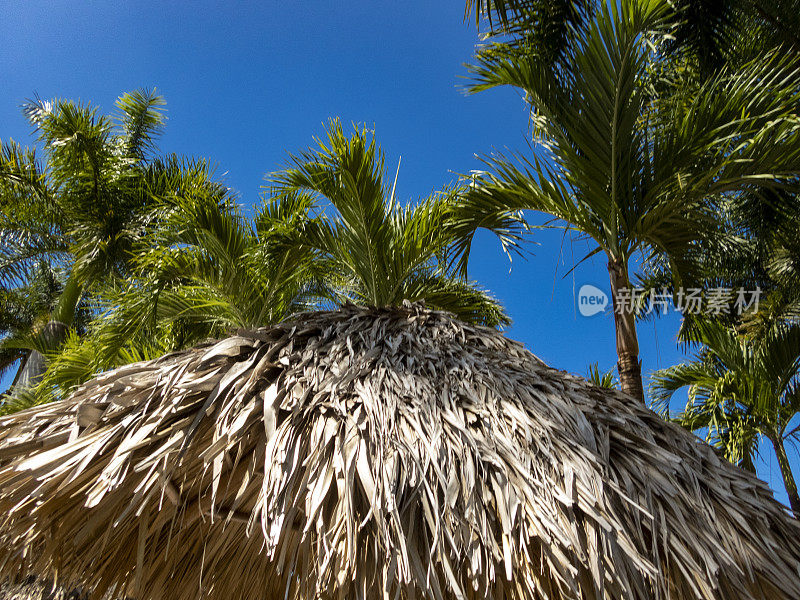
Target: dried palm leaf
x,y
378,453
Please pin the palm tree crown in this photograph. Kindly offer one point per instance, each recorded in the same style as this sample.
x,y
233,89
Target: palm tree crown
x,y
637,171
740,389
83,209
373,250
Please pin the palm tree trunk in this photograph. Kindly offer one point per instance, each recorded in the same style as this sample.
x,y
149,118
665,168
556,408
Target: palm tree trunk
x,y
53,335
628,364
29,373
68,301
788,477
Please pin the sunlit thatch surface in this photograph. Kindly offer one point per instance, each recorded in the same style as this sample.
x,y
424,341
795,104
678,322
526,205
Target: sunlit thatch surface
x,y
361,453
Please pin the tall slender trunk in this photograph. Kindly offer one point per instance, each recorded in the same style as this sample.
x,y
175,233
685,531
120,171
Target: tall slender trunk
x,y
786,473
52,335
628,364
68,301
30,372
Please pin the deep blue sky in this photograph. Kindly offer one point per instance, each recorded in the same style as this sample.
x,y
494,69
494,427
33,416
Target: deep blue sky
x,y
249,81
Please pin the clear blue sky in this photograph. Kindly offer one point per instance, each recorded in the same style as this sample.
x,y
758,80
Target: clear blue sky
x,y
245,82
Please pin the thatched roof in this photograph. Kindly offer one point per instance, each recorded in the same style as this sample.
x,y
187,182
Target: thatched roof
x,y
32,588
371,453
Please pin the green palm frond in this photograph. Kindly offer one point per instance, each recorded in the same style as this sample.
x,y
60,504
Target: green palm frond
x,y
373,249
20,168
31,224
702,35
603,380
541,27
141,117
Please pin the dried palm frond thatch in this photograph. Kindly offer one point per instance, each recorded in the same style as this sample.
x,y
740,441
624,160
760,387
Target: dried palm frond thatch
x,y
32,588
369,453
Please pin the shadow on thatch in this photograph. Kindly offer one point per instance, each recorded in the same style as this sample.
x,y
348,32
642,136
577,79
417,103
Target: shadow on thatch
x,y
362,452
35,589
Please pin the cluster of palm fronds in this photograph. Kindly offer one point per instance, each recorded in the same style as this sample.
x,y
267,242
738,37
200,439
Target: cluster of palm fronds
x,y
164,258
76,218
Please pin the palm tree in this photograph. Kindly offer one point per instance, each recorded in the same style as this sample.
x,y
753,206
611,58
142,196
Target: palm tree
x,y
739,390
376,252
84,207
637,172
